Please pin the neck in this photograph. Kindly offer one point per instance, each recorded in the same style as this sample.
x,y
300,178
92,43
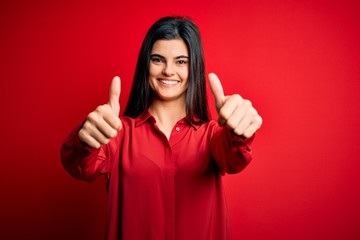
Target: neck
x,y
168,112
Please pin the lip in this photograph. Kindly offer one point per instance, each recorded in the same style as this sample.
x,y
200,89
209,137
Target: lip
x,y
168,82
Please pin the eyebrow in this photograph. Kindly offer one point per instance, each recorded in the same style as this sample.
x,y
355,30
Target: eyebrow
x,y
158,55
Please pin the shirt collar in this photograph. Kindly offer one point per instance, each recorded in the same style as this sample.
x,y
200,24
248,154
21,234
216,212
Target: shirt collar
x,y
146,115
143,118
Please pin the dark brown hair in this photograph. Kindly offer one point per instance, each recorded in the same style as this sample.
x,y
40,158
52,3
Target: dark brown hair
x,y
141,93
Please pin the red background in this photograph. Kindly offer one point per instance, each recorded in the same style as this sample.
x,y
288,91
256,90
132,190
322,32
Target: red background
x,y
298,61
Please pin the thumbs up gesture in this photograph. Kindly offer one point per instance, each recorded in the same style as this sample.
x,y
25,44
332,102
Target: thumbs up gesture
x,y
104,123
235,112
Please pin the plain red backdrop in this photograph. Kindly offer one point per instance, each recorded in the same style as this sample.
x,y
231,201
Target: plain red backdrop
x,y
297,61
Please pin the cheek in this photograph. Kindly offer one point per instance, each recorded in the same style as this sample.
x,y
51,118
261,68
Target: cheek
x,y
152,76
185,75
151,82
154,70
151,70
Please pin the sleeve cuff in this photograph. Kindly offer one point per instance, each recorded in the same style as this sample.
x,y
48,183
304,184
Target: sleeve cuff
x,y
241,139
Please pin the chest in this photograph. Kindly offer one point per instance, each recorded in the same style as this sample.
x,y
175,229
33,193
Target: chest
x,y
149,152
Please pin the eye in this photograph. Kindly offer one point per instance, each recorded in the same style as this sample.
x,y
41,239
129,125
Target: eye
x,y
182,62
157,60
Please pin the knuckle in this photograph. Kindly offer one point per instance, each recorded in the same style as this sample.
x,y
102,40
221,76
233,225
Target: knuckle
x,y
238,131
105,141
93,117
84,137
224,114
96,145
88,125
252,113
85,126
247,134
116,123
119,125
113,133
102,109
231,123
248,103
82,134
237,97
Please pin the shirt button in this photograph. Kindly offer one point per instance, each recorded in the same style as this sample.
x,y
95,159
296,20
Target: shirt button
x,y
177,129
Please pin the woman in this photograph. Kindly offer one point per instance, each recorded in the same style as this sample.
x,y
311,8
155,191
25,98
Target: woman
x,y
164,158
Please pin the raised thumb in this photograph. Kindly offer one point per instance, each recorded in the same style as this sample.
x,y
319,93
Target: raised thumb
x,y
217,90
114,95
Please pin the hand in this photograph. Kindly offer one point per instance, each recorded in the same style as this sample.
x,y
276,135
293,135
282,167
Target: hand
x,y
104,123
237,113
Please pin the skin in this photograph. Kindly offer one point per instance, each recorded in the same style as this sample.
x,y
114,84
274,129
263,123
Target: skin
x,y
103,123
169,70
236,113
168,77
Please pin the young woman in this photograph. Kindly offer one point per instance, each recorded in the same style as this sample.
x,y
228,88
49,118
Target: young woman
x,y
164,157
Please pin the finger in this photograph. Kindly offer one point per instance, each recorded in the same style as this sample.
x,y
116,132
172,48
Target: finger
x,y
91,142
243,125
105,120
106,129
114,95
251,129
217,90
235,118
111,119
88,140
226,110
249,124
242,108
105,112
99,136
231,103
95,132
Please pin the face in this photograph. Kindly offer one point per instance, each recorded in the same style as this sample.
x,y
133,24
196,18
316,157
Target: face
x,y
169,69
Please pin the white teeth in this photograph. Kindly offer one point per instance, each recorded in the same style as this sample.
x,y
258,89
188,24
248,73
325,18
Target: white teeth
x,y
168,82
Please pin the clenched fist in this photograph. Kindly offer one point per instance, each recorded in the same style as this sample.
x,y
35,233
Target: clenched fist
x,y
235,112
104,123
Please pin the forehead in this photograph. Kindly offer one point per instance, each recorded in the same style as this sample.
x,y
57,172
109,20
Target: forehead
x,y
170,48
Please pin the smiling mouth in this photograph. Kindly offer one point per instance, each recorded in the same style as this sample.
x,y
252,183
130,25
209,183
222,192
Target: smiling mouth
x,y
169,82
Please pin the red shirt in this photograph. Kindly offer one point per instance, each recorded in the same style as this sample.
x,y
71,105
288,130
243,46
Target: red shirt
x,y
158,188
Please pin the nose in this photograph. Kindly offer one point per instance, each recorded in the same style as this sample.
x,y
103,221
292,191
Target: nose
x,y
168,70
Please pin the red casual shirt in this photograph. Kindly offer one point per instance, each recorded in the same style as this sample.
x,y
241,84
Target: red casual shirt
x,y
158,188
